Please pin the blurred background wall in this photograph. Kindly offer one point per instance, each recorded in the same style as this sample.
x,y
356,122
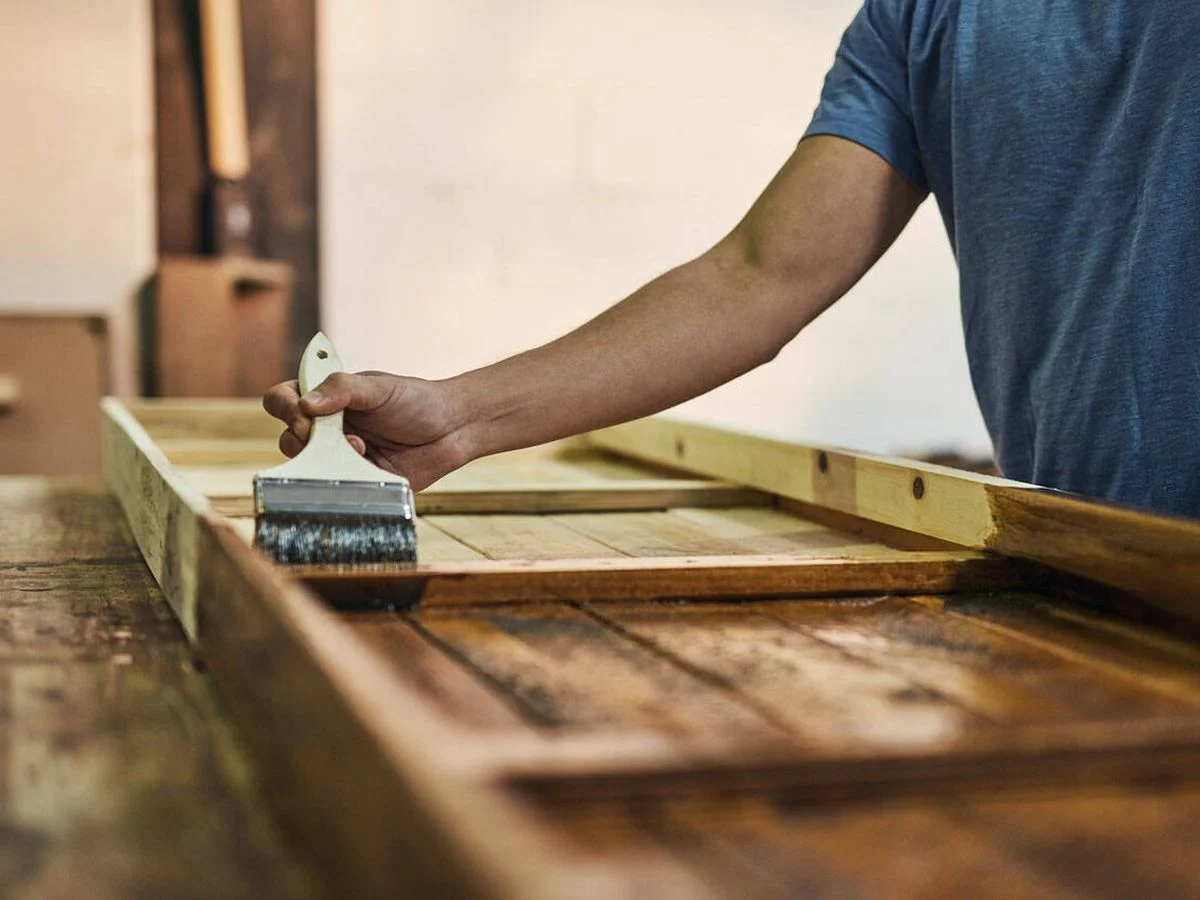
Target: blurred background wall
x,y
495,173
491,175
76,163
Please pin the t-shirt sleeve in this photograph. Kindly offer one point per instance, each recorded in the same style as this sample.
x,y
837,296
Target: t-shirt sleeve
x,y
866,97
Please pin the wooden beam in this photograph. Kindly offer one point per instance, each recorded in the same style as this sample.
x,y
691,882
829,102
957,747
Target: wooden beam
x,y
346,746
594,496
163,511
1154,558
279,38
1079,757
618,578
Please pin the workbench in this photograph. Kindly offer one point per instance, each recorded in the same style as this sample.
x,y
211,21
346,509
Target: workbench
x,y
121,776
616,674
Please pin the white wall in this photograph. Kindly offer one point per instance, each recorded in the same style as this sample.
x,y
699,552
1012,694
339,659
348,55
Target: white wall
x,y
495,173
76,161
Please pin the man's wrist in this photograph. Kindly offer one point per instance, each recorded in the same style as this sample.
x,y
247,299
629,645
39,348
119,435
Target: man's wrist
x,y
463,414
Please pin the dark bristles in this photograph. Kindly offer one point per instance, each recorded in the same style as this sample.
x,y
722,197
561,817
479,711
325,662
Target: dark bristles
x,y
324,539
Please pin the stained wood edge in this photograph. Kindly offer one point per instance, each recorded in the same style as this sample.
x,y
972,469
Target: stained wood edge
x,y
1154,558
381,790
161,508
625,579
363,773
1165,752
630,496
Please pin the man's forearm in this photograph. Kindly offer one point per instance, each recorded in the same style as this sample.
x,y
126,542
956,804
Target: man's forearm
x,y
684,333
827,216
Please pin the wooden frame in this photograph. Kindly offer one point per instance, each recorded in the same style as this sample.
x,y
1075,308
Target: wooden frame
x,y
387,791
1154,558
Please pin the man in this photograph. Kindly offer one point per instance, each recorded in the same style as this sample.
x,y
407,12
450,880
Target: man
x,y
1061,139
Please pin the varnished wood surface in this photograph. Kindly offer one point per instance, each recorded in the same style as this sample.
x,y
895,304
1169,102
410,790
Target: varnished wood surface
x,y
119,777
1153,559
1115,842
980,745
754,737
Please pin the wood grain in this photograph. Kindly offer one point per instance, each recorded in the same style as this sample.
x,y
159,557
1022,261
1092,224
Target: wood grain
x,y
566,670
1085,638
1117,843
227,482
163,512
519,537
57,520
445,684
349,745
623,579
118,776
1154,558
1000,676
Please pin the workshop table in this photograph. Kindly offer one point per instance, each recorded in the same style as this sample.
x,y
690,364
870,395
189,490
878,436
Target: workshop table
x,y
121,777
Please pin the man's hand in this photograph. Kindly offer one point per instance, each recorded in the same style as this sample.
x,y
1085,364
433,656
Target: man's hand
x,y
404,425
825,219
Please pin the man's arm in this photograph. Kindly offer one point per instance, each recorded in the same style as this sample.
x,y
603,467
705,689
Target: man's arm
x,y
830,213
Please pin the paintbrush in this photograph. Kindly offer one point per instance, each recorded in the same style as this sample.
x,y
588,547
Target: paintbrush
x,y
329,504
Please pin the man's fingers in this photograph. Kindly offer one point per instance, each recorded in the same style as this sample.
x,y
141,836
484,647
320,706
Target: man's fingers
x,y
342,390
281,400
357,443
289,444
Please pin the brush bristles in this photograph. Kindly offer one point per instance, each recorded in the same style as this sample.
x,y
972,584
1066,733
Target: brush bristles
x,y
295,539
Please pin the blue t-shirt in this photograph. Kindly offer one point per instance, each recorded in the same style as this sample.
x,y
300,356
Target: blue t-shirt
x,y
1061,139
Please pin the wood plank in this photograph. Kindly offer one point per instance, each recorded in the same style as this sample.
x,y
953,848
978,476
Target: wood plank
x,y
348,745
753,849
822,696
1006,679
444,683
75,612
1059,759
1113,843
118,777
1118,842
649,534
162,510
245,454
624,579
1154,558
953,506
435,545
566,670
518,537
702,532
229,490
200,419
51,521
1086,638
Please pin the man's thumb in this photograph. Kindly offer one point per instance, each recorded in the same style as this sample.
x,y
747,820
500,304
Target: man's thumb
x,y
342,390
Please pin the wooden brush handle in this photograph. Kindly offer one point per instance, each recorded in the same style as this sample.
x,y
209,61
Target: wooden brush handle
x,y
320,360
327,455
224,89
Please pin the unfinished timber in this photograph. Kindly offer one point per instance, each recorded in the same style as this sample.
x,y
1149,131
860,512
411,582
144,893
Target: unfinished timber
x,y
669,660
